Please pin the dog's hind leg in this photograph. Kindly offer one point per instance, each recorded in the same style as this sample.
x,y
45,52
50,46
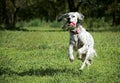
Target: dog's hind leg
x,y
83,65
83,56
88,59
86,62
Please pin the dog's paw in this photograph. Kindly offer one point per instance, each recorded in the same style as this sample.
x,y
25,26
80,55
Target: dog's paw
x,y
80,69
71,60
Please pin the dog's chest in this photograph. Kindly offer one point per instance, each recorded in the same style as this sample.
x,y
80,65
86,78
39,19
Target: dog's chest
x,y
76,41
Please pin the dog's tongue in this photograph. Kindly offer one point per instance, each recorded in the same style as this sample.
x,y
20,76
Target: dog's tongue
x,y
72,24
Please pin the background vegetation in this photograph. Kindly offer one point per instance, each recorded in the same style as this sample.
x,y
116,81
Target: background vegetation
x,y
13,11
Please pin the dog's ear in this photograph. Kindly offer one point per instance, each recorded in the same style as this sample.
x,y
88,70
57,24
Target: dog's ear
x,y
80,16
61,17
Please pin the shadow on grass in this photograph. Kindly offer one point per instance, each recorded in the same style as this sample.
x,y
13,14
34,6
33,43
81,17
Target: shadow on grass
x,y
46,30
89,30
42,72
13,29
27,30
113,29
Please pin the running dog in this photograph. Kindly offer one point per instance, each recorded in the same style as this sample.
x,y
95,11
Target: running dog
x,y
80,39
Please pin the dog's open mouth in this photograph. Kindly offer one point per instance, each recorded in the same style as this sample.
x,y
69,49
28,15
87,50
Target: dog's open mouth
x,y
72,24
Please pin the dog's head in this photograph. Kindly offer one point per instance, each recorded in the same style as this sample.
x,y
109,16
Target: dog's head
x,y
72,19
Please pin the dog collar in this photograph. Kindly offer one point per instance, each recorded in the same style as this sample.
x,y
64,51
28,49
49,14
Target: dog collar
x,y
76,31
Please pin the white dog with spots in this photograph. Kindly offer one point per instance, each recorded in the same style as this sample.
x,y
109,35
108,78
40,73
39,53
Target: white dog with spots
x,y
80,39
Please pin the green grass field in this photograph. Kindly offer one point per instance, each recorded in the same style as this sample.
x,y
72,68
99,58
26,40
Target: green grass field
x,y
40,56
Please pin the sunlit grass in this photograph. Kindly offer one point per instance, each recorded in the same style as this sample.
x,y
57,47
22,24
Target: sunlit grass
x,y
40,56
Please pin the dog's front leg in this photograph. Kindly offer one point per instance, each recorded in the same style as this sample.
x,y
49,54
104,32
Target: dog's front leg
x,y
70,53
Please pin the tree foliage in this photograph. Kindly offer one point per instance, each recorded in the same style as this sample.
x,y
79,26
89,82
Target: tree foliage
x,y
12,11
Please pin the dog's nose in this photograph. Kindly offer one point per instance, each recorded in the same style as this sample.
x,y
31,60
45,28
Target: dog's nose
x,y
68,19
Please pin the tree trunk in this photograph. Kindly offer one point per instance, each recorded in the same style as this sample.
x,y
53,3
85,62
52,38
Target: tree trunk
x,y
5,18
115,21
115,14
13,18
72,7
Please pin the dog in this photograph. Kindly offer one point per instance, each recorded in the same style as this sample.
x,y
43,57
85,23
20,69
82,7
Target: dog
x,y
80,39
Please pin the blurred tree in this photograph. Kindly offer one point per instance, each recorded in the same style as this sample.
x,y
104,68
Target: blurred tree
x,y
3,12
72,5
12,11
9,12
114,11
44,9
110,9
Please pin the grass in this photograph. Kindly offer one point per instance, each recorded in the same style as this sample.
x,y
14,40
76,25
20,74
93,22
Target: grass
x,y
40,56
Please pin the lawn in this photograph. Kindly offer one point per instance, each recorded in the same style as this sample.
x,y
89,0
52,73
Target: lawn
x,y
39,55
